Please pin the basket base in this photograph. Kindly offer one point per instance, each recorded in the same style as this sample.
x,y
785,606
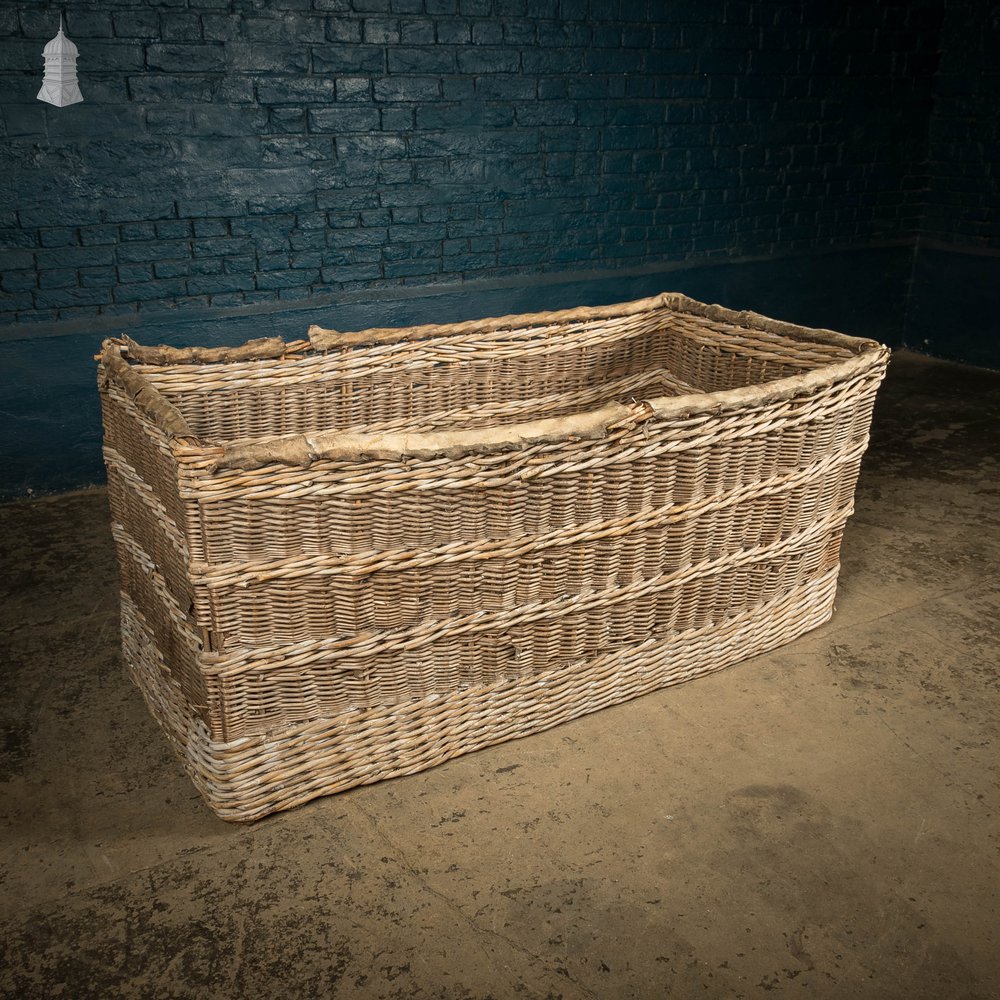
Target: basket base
x,y
248,778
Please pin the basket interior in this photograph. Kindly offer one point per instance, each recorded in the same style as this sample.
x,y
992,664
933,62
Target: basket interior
x,y
490,378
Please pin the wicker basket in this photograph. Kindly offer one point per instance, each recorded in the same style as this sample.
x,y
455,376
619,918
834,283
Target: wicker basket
x,y
358,555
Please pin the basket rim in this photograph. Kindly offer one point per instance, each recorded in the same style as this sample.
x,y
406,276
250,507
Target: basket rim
x,y
322,339
304,449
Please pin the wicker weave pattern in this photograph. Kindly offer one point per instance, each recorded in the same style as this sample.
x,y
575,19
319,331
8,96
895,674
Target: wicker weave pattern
x,y
321,542
246,779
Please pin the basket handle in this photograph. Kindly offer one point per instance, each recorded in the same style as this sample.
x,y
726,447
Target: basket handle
x,y
341,446
261,349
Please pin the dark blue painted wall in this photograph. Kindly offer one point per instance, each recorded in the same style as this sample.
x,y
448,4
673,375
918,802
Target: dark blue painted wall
x,y
51,434
963,149
242,167
236,152
954,308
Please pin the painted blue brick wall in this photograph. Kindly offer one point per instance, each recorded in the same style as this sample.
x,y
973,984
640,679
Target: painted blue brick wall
x,y
236,152
963,151
51,432
954,300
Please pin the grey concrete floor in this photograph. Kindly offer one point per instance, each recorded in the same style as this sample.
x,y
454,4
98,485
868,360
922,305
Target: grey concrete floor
x,y
821,821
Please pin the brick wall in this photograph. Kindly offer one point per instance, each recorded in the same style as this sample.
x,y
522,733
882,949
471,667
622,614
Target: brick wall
x,y
234,152
963,155
954,296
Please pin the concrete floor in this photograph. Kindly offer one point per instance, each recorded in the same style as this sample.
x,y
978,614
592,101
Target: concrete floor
x,y
818,822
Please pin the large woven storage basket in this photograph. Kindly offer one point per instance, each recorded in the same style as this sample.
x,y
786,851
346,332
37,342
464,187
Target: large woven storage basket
x,y
358,555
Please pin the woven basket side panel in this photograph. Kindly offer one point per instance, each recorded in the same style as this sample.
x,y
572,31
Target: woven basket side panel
x,y
172,629
147,665
135,506
740,514
714,357
144,449
411,382
258,697
458,382
293,608
149,523
331,510
253,777
604,530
